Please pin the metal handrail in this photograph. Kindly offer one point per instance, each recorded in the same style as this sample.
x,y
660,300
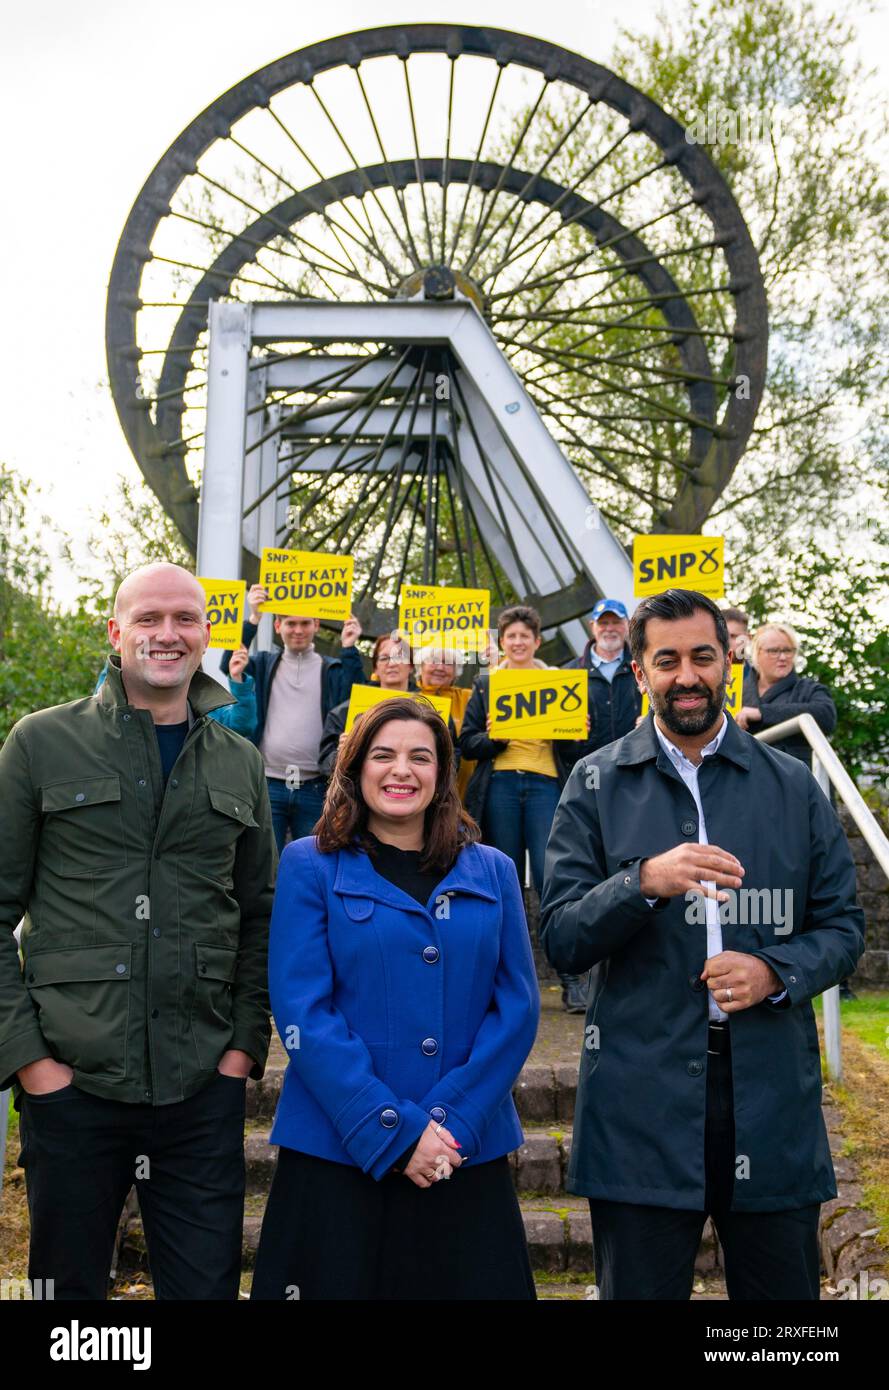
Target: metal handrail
x,y
827,769
858,808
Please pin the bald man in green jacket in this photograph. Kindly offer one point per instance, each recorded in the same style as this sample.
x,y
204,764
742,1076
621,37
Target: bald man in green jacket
x,y
138,848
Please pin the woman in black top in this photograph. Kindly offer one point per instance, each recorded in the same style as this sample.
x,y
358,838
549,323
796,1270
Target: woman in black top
x,y
774,692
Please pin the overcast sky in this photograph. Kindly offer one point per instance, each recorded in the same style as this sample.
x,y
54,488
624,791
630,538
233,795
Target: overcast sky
x,y
92,94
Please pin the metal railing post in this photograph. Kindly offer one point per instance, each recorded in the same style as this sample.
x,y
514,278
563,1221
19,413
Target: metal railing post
x,y
830,999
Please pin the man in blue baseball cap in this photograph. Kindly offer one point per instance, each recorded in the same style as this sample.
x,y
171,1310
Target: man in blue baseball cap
x,y
615,703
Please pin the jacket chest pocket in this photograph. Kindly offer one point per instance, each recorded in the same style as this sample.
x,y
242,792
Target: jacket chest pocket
x,y
82,998
82,832
217,825
211,1010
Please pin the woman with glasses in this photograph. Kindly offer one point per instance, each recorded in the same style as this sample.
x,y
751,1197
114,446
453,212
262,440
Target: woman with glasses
x,y
403,987
773,691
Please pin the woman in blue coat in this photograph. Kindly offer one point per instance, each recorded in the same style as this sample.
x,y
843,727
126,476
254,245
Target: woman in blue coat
x,y
403,986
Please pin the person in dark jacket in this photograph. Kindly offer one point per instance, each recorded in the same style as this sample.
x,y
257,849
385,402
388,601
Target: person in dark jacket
x,y
706,880
403,987
515,787
296,688
774,692
614,700
138,846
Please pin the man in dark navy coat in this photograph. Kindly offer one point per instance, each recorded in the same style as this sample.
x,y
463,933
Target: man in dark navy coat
x,y
706,880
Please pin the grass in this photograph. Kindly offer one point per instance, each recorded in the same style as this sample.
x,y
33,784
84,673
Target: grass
x,y
863,1098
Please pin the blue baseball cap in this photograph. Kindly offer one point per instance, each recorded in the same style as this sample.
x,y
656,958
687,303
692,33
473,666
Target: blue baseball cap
x,y
609,605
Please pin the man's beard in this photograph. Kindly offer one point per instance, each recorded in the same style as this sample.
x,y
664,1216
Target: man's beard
x,y
609,647
691,723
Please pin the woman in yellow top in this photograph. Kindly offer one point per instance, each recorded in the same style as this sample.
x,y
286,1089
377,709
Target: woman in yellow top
x,y
515,789
437,671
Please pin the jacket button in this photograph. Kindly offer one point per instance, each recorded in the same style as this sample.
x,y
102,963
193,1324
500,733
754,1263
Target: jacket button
x,y
430,954
142,782
203,969
695,1068
688,827
627,881
438,1114
174,781
389,1119
429,1046
155,931
120,969
155,1013
697,983
31,978
81,796
791,979
127,718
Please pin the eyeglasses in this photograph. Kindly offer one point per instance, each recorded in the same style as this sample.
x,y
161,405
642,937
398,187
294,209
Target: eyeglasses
x,y
778,651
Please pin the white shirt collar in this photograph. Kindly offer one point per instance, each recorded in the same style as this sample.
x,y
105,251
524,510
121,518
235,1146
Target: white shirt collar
x,y
706,752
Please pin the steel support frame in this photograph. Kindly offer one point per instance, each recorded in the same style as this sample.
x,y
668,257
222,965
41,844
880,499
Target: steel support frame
x,y
548,511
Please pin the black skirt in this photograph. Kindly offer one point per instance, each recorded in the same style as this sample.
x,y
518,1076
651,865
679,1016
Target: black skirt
x,y
333,1232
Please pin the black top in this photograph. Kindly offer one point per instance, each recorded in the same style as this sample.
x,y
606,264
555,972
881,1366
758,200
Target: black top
x,y
402,867
170,738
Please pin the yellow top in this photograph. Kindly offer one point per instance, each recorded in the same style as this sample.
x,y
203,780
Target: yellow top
x,y
459,697
528,755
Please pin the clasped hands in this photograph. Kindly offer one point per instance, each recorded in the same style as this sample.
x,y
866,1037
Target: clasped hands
x,y
736,980
435,1157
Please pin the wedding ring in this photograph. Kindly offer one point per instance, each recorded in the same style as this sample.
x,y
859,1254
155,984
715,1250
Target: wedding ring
x,y
438,1129
728,996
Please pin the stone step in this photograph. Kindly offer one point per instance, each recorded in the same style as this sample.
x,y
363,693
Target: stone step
x,y
544,1092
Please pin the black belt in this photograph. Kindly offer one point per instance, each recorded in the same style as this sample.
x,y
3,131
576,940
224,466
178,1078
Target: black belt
x,y
717,1039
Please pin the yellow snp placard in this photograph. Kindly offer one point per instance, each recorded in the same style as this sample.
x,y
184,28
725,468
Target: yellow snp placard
x,y
734,691
679,562
225,611
455,617
539,704
307,583
366,696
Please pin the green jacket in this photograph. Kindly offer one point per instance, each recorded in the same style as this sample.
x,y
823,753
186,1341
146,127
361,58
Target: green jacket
x,y
146,908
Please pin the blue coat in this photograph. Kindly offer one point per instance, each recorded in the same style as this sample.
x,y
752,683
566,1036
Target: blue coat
x,y
394,1013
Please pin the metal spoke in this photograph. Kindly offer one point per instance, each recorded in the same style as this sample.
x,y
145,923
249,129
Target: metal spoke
x,y
507,169
393,272
399,192
470,184
521,201
552,208
417,162
320,210
363,229
447,158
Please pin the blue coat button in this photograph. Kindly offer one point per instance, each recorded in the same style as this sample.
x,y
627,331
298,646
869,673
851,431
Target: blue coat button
x,y
429,1046
431,954
389,1118
695,1068
438,1114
